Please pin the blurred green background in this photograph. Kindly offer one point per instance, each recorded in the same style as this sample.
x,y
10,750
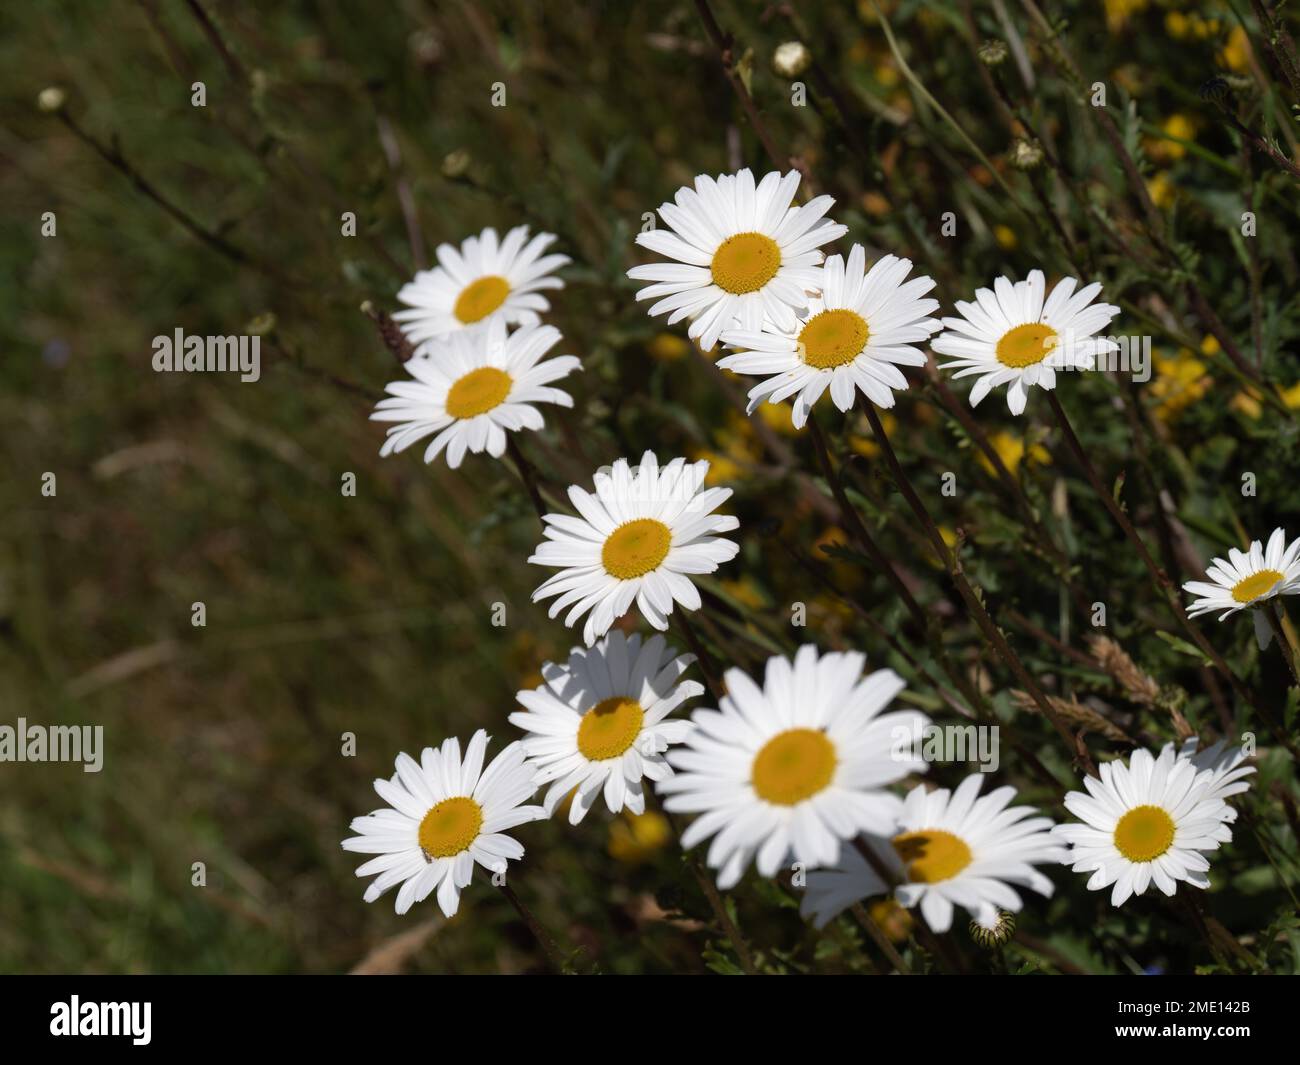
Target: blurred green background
x,y
329,614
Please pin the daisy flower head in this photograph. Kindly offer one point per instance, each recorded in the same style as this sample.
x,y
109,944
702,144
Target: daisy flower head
x,y
1011,336
599,723
475,387
853,337
742,253
639,537
796,766
957,848
1247,578
445,814
483,280
948,849
1150,821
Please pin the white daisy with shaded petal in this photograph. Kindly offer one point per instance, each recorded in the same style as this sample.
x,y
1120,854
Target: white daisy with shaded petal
x,y
640,537
852,338
742,253
948,849
444,816
1151,821
484,280
599,723
475,387
1247,578
1011,336
792,769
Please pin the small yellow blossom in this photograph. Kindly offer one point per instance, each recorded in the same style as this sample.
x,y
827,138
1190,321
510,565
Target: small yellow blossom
x,y
1291,396
1005,236
1235,55
867,447
776,416
1161,190
669,347
875,204
635,838
723,469
1118,12
892,918
1010,449
1210,345
745,590
1168,151
1245,403
1179,382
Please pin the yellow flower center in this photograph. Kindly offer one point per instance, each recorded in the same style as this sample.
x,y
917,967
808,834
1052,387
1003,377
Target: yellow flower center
x,y
932,855
478,392
450,827
745,262
480,298
1026,345
1255,585
635,548
1144,833
609,728
794,765
833,338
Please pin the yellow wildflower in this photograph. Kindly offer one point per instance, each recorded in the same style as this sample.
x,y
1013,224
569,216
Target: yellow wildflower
x,y
635,838
1010,449
669,347
1235,55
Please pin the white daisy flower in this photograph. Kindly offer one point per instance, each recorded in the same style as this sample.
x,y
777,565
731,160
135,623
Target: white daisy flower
x,y
949,848
853,337
1151,821
598,723
640,536
1010,336
957,848
794,767
742,253
1249,578
485,280
446,815
477,386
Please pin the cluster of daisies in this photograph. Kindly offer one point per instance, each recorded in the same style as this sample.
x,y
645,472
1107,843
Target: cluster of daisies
x,y
802,772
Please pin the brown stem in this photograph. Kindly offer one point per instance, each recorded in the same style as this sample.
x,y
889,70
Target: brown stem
x,y
857,529
111,155
881,940
218,42
718,905
1283,645
722,42
924,933
707,666
405,199
977,434
528,475
389,332
973,601
553,955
